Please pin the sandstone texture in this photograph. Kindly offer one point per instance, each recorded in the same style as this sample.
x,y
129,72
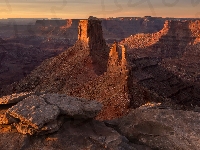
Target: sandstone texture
x,y
14,98
34,111
46,113
156,74
85,70
53,121
137,70
73,135
162,128
163,66
73,107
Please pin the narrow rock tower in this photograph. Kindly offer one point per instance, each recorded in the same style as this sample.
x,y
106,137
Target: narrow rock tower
x,y
91,34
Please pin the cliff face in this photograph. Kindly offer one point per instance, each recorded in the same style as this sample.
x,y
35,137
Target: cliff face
x,y
90,33
118,78
117,63
194,26
164,65
120,28
57,28
171,41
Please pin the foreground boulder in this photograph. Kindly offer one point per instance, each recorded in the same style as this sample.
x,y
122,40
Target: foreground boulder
x,y
39,115
43,114
34,111
162,128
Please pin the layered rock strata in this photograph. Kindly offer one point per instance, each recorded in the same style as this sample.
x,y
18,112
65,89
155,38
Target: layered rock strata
x,y
164,65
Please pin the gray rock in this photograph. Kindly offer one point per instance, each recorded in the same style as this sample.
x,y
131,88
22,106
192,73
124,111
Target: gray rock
x,y
51,127
14,98
34,111
162,128
74,107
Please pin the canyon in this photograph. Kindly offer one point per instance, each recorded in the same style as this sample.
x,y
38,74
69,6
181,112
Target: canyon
x,y
141,90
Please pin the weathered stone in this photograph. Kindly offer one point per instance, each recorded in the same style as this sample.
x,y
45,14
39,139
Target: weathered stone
x,y
7,119
162,128
51,127
14,98
74,107
88,135
25,128
34,111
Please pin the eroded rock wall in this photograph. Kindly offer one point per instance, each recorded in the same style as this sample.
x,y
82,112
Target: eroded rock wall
x,y
90,32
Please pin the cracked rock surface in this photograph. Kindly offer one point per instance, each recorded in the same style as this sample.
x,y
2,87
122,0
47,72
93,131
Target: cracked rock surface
x,y
34,111
46,113
162,128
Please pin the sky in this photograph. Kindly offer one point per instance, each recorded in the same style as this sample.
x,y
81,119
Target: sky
x,y
82,9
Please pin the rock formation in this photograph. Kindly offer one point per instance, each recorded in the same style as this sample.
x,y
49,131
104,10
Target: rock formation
x,y
44,114
171,41
71,117
109,83
84,70
90,33
161,128
162,67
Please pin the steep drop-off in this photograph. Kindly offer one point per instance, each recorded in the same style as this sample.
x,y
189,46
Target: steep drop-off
x,y
165,67
88,70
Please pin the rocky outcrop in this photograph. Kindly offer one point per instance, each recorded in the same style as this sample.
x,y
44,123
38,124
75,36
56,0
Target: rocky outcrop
x,y
71,117
117,63
161,128
164,65
44,114
73,107
111,87
171,41
82,71
73,135
143,40
90,33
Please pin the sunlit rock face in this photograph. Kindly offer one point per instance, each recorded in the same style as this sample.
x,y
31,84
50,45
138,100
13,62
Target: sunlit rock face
x,y
85,70
91,34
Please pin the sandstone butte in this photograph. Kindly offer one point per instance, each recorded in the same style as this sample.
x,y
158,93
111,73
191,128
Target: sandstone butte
x,y
109,83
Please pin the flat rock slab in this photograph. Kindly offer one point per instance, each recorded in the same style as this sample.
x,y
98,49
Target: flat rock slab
x,y
74,107
14,98
34,111
162,128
